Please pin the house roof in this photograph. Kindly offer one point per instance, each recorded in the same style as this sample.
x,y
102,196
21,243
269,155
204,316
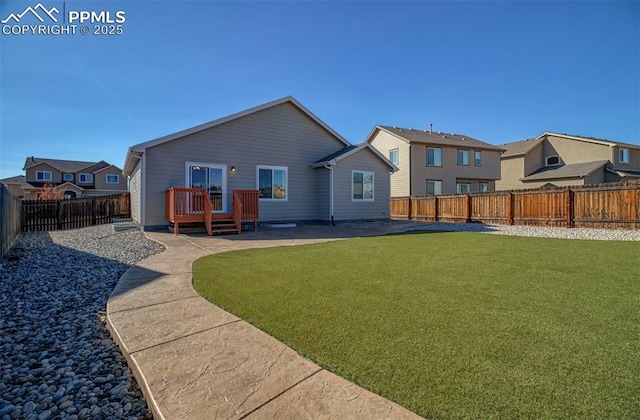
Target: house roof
x,y
136,151
411,135
625,173
522,147
591,140
68,166
518,148
20,179
573,170
333,158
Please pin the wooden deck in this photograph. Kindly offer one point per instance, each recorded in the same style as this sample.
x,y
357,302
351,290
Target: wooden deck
x,y
193,205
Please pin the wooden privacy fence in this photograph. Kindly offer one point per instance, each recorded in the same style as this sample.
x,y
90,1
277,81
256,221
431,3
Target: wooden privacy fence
x,y
45,215
10,219
613,206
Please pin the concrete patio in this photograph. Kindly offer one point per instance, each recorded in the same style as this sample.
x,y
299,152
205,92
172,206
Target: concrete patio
x,y
195,361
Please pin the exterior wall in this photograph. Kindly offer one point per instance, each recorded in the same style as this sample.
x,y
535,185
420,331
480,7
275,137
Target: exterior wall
x,y
575,151
557,182
450,171
14,189
536,159
345,208
135,193
597,177
280,136
56,175
634,159
475,184
100,181
512,169
400,181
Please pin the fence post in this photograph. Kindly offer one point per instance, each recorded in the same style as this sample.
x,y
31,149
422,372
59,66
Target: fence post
x,y
510,208
468,209
409,207
59,210
436,208
569,208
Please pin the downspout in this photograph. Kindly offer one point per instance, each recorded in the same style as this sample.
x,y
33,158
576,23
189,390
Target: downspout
x,y
330,168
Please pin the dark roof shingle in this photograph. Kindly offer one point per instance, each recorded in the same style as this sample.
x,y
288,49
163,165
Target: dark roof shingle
x,y
445,139
573,170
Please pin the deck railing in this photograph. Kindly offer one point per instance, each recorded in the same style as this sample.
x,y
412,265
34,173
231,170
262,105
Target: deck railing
x,y
193,205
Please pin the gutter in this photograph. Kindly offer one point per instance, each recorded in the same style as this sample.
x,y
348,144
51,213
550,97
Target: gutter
x,y
330,166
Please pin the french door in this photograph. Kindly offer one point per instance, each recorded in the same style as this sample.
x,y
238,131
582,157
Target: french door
x,y
211,177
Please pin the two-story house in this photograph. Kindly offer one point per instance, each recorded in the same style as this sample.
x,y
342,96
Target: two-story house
x,y
553,159
77,178
432,163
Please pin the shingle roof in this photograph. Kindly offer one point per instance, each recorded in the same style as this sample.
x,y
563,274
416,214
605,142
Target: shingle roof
x,y
65,165
518,148
445,139
573,170
594,139
337,154
20,179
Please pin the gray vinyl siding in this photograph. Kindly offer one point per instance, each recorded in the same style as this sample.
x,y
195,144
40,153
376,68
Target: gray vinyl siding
x,y
385,142
278,136
347,209
450,172
135,192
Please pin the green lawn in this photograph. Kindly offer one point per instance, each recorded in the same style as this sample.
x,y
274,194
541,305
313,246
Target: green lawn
x,y
453,325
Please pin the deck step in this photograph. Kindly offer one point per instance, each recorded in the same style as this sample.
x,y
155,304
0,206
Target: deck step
x,y
224,226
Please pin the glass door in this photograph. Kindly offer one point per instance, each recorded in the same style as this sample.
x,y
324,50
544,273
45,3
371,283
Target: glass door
x,y
213,179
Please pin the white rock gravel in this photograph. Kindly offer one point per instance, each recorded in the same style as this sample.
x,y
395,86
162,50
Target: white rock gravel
x,y
57,360
535,231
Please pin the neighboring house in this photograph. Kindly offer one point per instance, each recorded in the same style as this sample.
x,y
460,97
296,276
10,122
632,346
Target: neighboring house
x,y
15,184
303,169
553,159
436,163
77,178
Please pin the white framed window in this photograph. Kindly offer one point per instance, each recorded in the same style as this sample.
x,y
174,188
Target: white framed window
x,y
212,178
463,187
434,186
477,158
484,186
67,177
552,160
112,179
393,156
623,155
272,182
463,157
85,178
43,175
362,185
434,156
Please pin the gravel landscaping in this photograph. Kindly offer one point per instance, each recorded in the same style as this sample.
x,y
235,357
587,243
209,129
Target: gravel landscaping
x,y
57,360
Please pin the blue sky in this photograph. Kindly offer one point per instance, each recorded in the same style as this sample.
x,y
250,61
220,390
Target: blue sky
x,y
494,70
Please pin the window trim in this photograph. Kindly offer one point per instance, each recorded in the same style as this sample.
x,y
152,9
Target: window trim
x,y
286,183
88,176
434,193
373,186
546,160
622,153
458,184
480,184
434,165
67,177
463,153
106,179
477,161
397,155
44,178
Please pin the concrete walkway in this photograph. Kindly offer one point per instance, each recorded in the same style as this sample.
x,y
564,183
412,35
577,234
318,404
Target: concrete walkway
x,y
193,360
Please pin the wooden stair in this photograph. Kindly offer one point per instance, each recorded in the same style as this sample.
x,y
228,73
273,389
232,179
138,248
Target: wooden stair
x,y
225,225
